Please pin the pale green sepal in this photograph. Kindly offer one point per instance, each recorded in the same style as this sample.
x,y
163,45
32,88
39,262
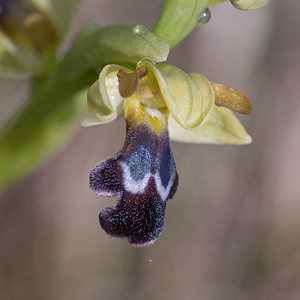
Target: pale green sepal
x,y
189,98
113,44
249,4
220,127
104,102
178,18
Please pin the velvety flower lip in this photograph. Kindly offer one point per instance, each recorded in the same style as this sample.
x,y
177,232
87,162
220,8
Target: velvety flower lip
x,y
140,218
142,175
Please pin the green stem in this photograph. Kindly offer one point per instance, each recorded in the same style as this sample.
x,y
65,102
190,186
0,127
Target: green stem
x,y
45,121
214,2
178,18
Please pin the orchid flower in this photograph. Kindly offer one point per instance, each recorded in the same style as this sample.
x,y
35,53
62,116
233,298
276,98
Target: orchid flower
x,y
159,102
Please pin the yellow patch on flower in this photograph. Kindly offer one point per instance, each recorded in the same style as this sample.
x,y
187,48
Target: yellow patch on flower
x,y
137,113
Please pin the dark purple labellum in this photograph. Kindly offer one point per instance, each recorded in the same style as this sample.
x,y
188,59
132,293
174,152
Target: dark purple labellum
x,y
144,177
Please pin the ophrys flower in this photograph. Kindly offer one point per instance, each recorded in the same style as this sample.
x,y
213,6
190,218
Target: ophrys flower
x,y
156,100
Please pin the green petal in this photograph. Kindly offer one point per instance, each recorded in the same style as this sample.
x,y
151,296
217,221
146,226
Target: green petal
x,y
220,127
189,97
104,101
249,4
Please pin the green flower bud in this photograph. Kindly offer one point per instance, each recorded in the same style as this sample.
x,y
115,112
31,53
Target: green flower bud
x,y
249,4
30,32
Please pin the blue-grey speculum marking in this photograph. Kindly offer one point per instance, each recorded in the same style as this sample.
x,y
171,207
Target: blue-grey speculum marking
x,y
139,162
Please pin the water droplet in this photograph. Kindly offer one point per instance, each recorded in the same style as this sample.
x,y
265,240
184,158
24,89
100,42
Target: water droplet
x,y
140,29
204,16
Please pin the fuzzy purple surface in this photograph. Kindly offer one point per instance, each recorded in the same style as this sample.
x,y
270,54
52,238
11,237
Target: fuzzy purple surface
x,y
139,217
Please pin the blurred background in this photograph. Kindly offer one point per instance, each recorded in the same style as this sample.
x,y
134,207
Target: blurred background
x,y
233,229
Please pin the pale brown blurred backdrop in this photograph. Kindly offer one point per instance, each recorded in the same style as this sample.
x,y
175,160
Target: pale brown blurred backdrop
x,y
232,232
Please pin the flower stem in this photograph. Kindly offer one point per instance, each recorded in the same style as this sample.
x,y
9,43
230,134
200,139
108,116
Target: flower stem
x,y
178,18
